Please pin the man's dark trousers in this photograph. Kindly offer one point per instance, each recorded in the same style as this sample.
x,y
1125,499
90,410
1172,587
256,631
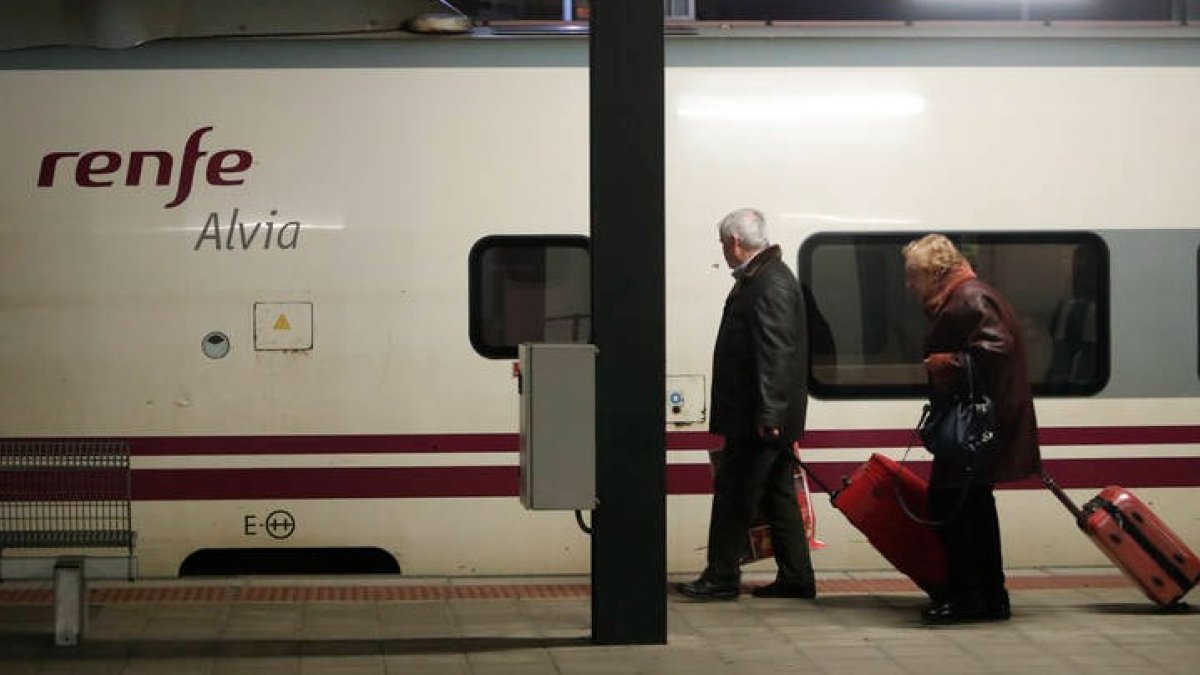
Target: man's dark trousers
x,y
753,473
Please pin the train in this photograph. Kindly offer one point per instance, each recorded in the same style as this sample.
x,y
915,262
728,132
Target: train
x,y
289,272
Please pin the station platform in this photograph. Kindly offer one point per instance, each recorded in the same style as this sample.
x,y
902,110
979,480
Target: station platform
x,y
1064,621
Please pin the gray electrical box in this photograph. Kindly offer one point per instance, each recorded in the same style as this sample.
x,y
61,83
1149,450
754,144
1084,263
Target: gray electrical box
x,y
558,426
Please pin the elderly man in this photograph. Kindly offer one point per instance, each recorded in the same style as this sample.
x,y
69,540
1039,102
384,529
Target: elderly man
x,y
758,405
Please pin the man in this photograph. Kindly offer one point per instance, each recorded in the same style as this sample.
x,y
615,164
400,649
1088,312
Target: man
x,y
759,399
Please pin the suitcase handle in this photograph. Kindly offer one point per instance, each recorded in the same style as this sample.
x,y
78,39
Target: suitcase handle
x,y
816,479
1080,517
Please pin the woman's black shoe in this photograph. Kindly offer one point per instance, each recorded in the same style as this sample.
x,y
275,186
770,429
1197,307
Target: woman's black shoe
x,y
997,605
956,612
703,589
999,611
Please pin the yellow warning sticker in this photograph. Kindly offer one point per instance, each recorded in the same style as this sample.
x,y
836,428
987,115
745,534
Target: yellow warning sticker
x,y
282,323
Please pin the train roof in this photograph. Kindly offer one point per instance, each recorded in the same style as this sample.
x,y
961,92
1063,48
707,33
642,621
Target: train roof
x,y
123,24
698,46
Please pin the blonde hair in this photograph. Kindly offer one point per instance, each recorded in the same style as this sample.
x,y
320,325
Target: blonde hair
x,y
933,254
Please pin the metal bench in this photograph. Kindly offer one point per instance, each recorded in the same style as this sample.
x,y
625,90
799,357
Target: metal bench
x,y
69,496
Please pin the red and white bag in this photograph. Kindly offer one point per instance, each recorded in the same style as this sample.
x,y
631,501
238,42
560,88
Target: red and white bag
x,y
804,497
759,544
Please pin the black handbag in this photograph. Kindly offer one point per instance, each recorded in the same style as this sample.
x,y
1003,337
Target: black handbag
x,y
961,427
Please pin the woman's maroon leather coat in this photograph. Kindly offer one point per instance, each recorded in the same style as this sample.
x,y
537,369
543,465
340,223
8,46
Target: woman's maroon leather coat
x,y
976,318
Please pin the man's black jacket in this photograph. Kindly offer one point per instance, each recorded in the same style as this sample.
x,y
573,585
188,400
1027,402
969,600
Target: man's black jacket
x,y
760,361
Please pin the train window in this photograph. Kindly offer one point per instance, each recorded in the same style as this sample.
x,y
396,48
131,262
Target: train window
x,y
529,289
934,10
866,330
851,10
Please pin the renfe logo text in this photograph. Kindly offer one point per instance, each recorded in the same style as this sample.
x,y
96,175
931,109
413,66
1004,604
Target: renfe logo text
x,y
102,168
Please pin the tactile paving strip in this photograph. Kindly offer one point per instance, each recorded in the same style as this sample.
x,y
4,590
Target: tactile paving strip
x,y
414,593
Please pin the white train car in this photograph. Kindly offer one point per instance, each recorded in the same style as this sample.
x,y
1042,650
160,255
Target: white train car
x,y
286,271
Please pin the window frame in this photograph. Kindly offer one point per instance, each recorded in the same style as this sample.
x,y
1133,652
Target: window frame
x,y
474,280
824,390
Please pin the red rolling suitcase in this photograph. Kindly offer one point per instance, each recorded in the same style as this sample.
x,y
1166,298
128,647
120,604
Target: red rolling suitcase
x,y
869,501
1138,542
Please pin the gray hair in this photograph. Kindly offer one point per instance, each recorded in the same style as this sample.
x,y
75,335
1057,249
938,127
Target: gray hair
x,y
748,225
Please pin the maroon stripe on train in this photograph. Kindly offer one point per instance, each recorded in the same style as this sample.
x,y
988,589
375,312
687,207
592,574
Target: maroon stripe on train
x,y
502,481
1068,473
325,483
1119,435
899,438
314,445
60,484
146,446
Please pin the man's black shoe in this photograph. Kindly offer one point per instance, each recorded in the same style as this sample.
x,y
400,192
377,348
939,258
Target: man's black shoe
x,y
703,589
779,589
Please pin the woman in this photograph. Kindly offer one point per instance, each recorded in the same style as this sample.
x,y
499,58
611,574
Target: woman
x,y
966,316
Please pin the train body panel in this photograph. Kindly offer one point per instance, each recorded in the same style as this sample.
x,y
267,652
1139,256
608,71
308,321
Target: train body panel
x,y
144,208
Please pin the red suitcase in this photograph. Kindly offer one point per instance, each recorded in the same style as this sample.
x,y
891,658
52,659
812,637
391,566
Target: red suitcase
x,y
869,501
1136,541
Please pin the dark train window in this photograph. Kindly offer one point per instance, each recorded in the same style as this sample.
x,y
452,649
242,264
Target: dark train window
x,y
529,289
866,330
1102,10
853,10
934,10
